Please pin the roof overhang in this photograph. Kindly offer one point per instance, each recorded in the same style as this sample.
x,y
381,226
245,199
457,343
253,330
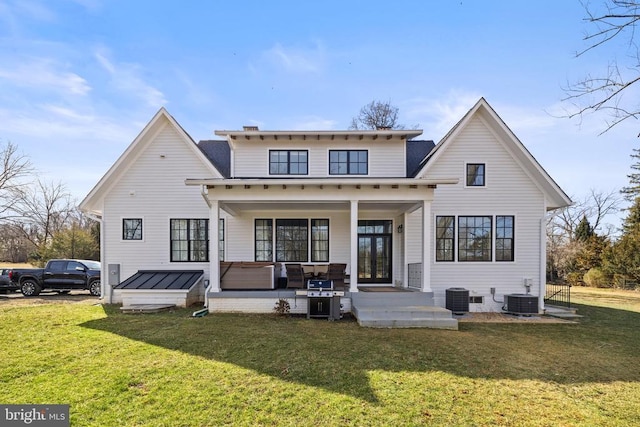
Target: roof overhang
x,y
310,135
321,182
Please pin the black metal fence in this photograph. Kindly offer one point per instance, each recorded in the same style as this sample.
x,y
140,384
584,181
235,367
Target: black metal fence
x,y
558,294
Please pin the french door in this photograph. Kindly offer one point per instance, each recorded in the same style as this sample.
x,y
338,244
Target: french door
x,y
374,251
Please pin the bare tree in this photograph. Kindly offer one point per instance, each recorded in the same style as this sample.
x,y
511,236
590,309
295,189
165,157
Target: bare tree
x,y
44,210
376,115
15,169
605,92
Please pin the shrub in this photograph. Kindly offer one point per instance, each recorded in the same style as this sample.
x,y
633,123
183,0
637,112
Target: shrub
x,y
574,279
282,307
596,279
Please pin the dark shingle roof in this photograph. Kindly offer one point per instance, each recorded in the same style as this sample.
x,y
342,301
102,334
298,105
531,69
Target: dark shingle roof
x,y
219,154
416,152
162,279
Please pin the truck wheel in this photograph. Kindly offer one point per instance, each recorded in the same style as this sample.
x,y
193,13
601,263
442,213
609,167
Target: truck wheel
x,y
30,288
94,288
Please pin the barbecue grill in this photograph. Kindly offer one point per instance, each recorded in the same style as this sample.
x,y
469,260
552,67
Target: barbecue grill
x,y
322,300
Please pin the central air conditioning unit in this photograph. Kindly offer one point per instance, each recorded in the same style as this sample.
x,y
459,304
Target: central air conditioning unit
x,y
457,300
520,304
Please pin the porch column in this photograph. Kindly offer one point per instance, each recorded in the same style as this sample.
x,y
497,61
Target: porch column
x,y
353,264
214,250
426,246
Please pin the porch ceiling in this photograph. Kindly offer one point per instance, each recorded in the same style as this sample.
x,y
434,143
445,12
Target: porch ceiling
x,y
237,207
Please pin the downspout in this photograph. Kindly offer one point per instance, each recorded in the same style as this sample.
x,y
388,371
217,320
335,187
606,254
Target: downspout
x,y
204,191
103,283
543,263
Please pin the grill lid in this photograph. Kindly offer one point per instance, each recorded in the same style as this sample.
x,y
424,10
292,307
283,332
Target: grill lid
x,y
320,284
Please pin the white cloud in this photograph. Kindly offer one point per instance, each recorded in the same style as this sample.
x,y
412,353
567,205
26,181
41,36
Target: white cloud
x,y
127,78
45,75
294,59
438,116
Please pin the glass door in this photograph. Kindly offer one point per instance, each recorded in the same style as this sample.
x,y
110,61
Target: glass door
x,y
374,251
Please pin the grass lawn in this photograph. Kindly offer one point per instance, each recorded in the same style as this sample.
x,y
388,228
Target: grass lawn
x,y
170,369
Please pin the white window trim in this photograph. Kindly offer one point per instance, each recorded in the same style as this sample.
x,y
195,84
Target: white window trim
x,y
493,216
464,174
141,217
329,150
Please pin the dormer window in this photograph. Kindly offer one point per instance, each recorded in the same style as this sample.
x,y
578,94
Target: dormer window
x,y
288,162
475,175
348,162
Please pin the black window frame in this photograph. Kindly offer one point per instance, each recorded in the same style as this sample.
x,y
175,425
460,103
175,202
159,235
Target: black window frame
x,y
320,240
127,234
349,163
186,235
444,252
468,239
292,240
263,245
221,239
288,162
504,234
474,172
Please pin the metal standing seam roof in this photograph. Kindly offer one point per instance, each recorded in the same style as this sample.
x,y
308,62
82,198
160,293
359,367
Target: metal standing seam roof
x,y
162,280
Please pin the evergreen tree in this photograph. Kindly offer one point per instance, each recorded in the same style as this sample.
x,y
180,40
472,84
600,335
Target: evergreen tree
x,y
632,191
583,231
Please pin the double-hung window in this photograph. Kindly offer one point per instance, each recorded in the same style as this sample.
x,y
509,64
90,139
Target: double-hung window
x,y
288,162
319,240
264,239
445,238
348,162
189,240
504,238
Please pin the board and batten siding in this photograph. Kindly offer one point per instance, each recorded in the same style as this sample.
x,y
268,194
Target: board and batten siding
x,y
386,157
153,189
509,190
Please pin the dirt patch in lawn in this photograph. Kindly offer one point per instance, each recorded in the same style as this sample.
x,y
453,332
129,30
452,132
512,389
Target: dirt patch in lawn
x,y
507,318
16,299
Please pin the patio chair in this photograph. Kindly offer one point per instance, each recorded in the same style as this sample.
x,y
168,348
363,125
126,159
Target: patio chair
x,y
337,272
295,276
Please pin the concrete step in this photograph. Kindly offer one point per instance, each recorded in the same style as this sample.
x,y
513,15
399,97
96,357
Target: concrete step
x,y
405,317
561,312
386,299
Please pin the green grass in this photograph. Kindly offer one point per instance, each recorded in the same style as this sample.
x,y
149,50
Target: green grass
x,y
170,369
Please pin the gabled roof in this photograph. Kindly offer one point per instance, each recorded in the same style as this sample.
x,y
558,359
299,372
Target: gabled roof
x,y
219,154
92,203
416,151
555,196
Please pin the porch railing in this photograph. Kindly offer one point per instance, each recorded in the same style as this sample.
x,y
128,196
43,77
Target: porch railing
x,y
558,294
415,275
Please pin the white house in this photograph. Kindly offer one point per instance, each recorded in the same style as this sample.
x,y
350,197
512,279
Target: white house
x,y
403,214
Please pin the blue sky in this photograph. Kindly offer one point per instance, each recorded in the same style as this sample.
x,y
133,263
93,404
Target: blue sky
x,y
79,79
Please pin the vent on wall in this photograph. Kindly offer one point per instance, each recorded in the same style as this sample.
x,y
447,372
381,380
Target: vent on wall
x,y
457,300
520,304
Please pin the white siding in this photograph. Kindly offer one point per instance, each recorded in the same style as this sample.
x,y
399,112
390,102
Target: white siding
x,y
153,189
508,191
386,157
241,239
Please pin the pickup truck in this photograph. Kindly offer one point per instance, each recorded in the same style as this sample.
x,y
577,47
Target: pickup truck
x,y
59,275
6,284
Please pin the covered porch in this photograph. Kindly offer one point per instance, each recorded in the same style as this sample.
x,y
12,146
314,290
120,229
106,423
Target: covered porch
x,y
359,222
